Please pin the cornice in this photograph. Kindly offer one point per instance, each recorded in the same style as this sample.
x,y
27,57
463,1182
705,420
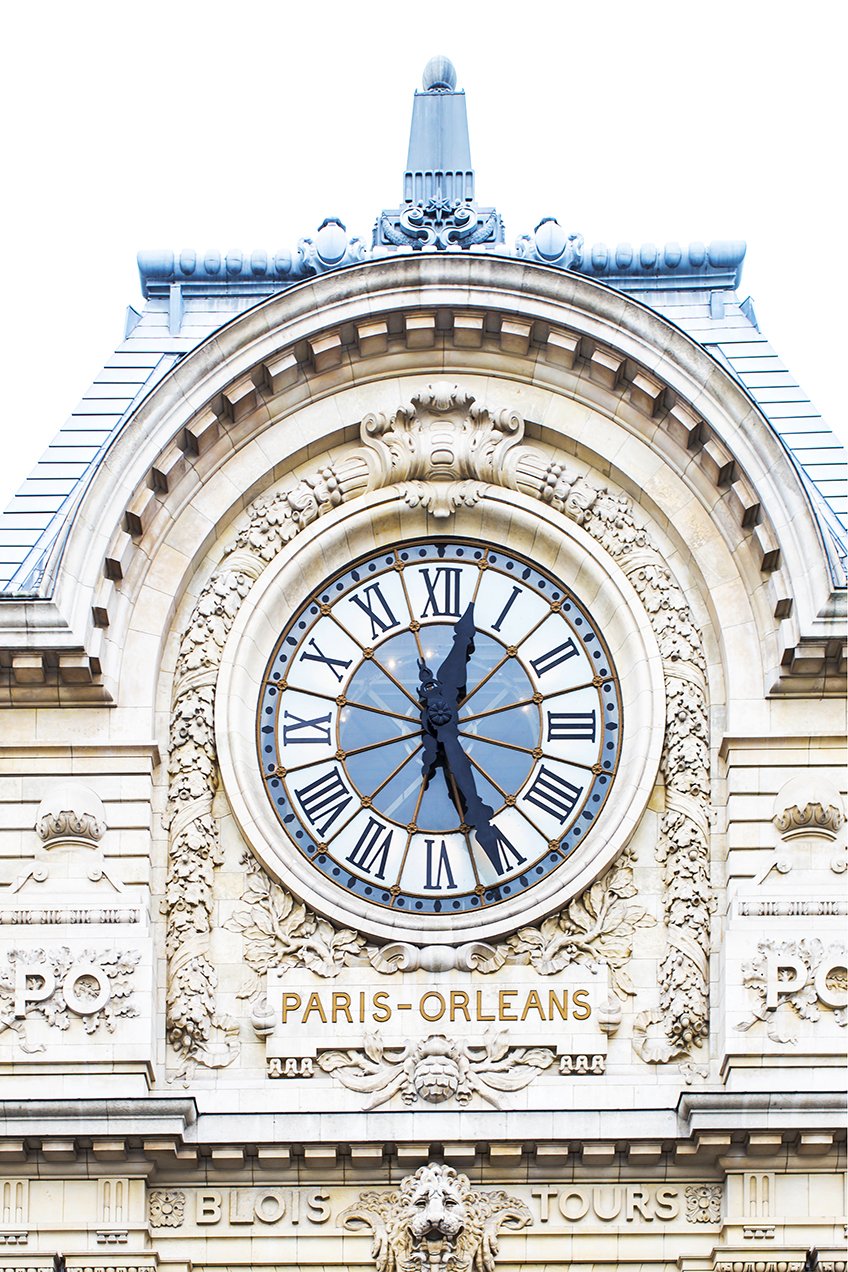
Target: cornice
x,y
450,314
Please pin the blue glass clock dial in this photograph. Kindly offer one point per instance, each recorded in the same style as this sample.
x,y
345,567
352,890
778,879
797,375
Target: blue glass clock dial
x,y
439,727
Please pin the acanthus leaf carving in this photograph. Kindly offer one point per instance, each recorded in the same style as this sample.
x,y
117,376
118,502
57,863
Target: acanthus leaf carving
x,y
280,932
197,1030
59,985
437,1068
820,981
435,1219
595,928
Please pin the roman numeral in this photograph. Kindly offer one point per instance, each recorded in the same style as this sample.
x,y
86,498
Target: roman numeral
x,y
553,794
369,848
516,592
553,658
324,799
320,657
442,592
496,847
443,864
320,727
380,622
576,726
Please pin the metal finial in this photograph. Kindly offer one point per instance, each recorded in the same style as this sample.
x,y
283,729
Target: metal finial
x,y
439,75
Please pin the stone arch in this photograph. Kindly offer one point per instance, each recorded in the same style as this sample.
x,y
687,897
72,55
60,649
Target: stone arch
x,y
469,452
430,316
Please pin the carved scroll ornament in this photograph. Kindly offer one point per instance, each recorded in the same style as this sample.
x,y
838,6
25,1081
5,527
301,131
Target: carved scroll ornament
x,y
435,1219
441,450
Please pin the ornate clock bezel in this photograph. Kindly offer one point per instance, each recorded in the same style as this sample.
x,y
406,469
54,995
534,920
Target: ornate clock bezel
x,y
518,525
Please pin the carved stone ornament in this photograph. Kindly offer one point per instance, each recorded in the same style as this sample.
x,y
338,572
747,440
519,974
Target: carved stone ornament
x,y
166,1207
437,1069
91,986
71,812
794,980
703,1203
435,1220
441,450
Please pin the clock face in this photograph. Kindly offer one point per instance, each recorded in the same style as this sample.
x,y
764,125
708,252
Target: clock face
x,y
439,727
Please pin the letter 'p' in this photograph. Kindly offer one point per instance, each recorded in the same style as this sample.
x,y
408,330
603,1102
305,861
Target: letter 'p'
x,y
291,1002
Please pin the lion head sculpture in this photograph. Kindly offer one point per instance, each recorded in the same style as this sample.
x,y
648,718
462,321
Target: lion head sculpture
x,y
435,1221
434,1204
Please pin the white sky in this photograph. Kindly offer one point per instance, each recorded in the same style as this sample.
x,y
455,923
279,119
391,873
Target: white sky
x,y
203,124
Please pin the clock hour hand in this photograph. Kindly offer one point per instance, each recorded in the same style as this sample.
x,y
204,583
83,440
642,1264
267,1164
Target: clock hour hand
x,y
439,692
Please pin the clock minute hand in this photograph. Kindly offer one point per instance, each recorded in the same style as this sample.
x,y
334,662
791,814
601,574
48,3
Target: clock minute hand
x,y
452,674
439,695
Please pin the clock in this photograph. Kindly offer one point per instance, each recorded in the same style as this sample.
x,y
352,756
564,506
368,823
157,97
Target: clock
x,y
439,728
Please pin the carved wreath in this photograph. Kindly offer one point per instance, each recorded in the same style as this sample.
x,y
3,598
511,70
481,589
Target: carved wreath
x,y
441,450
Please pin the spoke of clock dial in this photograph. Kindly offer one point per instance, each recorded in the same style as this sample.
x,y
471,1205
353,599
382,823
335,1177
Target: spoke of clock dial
x,y
413,619
381,711
395,771
499,742
484,681
409,833
373,746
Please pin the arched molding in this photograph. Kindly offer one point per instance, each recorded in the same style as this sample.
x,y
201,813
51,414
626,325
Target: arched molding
x,y
721,598
538,328
466,453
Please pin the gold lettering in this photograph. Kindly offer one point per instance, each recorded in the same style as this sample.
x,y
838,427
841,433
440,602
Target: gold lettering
x,y
361,1008
317,1207
314,1005
534,1003
581,1005
555,1003
382,1010
481,1015
291,1002
341,1005
668,1203
431,993
459,1003
504,1008
208,1207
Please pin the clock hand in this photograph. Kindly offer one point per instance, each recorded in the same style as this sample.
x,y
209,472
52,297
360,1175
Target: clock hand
x,y
439,695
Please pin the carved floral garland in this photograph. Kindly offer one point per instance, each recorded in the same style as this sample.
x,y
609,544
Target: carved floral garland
x,y
441,450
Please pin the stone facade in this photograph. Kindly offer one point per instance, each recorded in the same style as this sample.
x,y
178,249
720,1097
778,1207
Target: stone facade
x,y
212,1056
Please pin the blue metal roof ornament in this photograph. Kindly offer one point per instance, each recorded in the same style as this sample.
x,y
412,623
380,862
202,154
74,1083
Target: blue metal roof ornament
x,y
438,209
